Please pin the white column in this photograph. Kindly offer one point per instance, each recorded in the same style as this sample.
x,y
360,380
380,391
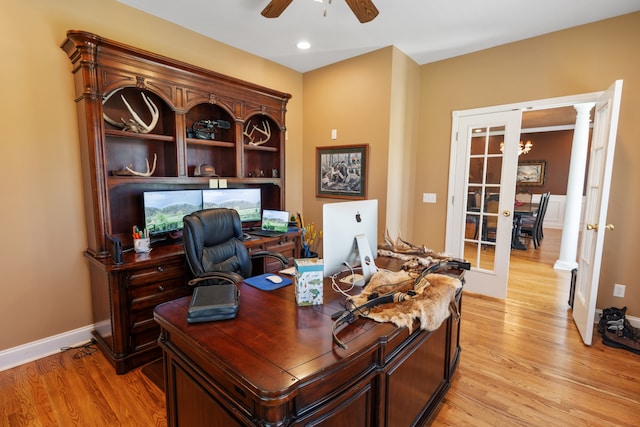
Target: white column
x,y
575,185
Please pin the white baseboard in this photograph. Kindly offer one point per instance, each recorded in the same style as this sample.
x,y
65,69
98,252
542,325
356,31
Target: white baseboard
x,y
28,352
25,353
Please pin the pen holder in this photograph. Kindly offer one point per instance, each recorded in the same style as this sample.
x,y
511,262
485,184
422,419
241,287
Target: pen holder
x,y
142,246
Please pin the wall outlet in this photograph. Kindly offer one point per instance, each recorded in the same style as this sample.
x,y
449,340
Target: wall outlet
x,y
618,290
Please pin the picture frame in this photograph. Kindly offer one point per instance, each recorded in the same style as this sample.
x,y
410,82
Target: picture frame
x,y
531,173
341,171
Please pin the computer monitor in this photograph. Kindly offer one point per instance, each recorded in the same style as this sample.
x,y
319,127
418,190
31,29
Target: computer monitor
x,y
164,210
245,201
347,228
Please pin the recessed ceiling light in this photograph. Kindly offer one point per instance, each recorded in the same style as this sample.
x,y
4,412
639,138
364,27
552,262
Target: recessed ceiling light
x,y
303,45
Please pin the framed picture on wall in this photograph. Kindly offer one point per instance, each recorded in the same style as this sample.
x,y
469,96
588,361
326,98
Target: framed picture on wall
x,y
531,173
341,171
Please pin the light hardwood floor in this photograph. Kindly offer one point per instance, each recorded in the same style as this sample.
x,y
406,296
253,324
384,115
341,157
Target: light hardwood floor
x,y
522,364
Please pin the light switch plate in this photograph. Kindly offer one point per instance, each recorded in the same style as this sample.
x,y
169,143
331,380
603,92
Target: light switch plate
x,y
428,197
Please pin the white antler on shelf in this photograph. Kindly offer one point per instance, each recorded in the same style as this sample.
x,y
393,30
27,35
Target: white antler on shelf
x,y
148,172
135,123
265,131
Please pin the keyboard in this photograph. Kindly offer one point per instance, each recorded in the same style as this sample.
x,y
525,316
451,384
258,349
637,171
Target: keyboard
x,y
266,233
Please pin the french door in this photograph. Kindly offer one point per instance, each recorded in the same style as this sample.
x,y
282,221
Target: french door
x,y
484,159
603,144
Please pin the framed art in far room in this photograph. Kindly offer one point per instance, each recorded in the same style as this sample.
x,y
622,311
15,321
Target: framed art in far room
x,y
531,173
341,171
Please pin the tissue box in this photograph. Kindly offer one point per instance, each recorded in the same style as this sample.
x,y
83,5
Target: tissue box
x,y
309,279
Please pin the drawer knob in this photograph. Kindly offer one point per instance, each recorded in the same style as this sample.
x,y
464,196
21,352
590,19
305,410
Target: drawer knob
x,y
161,288
160,268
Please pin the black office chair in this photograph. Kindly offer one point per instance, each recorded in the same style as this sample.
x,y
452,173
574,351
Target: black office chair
x,y
214,249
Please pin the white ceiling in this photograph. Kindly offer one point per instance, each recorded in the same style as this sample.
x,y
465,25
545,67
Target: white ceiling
x,y
425,30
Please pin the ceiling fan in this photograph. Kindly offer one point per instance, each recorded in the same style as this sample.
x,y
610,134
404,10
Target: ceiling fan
x,y
364,10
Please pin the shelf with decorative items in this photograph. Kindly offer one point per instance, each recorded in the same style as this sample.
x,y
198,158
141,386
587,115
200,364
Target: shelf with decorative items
x,y
150,123
262,154
140,134
211,141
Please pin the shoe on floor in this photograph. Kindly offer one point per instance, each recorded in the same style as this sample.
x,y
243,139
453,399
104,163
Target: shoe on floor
x,y
610,314
619,334
613,315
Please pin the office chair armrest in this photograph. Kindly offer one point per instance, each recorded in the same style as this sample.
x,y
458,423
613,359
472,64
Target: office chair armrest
x,y
215,277
264,254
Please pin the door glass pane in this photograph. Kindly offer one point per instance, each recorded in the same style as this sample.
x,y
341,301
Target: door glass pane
x,y
495,140
494,170
476,170
478,142
483,189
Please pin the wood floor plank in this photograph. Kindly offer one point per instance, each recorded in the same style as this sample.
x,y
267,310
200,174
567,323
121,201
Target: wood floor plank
x,y
522,364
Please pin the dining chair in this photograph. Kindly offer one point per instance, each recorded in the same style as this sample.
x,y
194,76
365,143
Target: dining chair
x,y
473,205
490,221
523,196
532,227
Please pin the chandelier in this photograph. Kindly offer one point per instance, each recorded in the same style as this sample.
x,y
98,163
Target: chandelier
x,y
523,147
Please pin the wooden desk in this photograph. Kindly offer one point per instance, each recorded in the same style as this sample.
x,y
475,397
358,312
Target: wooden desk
x,y
124,296
276,365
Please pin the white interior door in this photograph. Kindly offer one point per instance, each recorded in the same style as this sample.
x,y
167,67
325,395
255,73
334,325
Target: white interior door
x,y
595,212
484,158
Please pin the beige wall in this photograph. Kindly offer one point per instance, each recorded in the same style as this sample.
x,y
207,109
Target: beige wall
x,y
404,124
584,59
44,289
42,264
371,99
352,97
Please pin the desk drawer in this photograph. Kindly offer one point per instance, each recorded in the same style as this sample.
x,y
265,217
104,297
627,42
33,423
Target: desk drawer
x,y
285,247
156,273
145,298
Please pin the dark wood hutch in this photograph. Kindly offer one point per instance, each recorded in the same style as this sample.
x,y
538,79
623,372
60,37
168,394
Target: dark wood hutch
x,y
124,295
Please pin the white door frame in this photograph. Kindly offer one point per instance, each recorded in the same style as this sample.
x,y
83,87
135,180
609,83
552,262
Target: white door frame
x,y
452,243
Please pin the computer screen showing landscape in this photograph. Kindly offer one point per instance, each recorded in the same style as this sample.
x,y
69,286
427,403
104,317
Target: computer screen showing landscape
x,y
273,220
164,210
246,201
341,223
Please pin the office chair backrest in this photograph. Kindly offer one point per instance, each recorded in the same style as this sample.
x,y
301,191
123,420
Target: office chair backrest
x,y
213,242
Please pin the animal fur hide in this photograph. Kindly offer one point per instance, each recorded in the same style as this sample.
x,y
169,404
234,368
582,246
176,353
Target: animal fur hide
x,y
431,306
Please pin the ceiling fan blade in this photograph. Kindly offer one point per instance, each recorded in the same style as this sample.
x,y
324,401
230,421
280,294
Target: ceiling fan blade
x,y
275,8
364,10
